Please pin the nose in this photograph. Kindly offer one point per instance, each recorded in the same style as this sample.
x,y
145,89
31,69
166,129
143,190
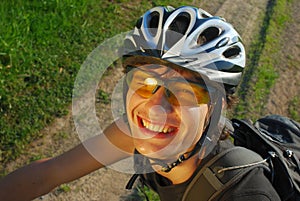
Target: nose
x,y
159,98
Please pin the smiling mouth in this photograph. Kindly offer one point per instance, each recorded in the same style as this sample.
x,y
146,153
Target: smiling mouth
x,y
156,129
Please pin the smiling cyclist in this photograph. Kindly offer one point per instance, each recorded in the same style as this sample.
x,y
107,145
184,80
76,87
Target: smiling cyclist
x,y
182,67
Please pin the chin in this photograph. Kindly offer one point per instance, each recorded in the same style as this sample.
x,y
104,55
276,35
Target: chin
x,y
161,151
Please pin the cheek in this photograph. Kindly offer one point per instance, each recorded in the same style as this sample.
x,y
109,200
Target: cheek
x,y
193,120
132,101
196,115
134,106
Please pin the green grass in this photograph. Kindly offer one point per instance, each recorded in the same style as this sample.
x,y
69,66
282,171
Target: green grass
x,y
144,192
262,61
42,45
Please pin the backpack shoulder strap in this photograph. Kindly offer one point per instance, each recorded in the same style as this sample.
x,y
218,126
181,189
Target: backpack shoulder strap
x,y
221,172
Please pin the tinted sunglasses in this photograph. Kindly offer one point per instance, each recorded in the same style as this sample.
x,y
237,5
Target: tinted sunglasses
x,y
179,91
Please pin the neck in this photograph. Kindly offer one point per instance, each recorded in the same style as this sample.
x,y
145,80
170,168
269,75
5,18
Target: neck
x,y
182,172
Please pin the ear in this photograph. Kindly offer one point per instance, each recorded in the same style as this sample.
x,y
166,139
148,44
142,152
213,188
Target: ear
x,y
224,103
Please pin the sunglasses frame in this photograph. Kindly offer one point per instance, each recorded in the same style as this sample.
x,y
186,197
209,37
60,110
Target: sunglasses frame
x,y
166,82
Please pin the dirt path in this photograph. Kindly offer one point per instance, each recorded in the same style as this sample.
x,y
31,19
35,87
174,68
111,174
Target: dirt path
x,y
106,184
287,87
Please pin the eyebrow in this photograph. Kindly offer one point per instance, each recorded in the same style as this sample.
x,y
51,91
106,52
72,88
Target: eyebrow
x,y
150,68
154,67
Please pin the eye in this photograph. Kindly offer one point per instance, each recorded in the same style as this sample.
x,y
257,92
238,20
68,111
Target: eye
x,y
184,93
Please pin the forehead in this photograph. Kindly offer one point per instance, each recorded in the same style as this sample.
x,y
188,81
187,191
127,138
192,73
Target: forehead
x,y
169,72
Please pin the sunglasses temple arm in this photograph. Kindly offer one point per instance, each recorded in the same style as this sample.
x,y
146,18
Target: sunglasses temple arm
x,y
155,89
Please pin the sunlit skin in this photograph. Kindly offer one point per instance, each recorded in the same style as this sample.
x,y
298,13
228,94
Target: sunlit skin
x,y
181,126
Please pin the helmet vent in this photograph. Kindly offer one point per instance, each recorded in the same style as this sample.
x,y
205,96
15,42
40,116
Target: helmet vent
x,y
177,29
204,15
181,23
232,52
153,23
138,23
208,35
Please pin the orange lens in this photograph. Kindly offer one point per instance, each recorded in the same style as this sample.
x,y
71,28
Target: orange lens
x,y
187,93
178,92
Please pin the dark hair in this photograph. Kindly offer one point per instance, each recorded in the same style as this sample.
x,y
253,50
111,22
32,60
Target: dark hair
x,y
231,100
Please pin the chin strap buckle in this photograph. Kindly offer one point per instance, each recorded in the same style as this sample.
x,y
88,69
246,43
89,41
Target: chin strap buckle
x,y
168,167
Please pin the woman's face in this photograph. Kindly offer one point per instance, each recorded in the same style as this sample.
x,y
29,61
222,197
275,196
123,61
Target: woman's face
x,y
166,113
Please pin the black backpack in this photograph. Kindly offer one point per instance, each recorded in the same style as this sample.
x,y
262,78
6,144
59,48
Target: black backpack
x,y
273,143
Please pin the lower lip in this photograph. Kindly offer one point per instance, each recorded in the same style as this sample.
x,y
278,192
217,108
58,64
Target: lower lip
x,y
153,134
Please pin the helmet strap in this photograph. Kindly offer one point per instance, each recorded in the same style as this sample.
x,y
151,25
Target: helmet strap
x,y
167,167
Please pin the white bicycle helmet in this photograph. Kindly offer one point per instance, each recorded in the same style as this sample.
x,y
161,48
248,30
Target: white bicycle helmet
x,y
191,38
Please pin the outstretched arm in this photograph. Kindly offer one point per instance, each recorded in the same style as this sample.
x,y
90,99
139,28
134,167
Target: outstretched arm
x,y
42,176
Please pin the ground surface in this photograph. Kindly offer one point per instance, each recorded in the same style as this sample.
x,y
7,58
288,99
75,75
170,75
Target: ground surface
x,y
107,184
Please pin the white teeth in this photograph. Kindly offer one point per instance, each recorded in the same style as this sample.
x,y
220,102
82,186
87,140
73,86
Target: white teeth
x,y
157,128
145,123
